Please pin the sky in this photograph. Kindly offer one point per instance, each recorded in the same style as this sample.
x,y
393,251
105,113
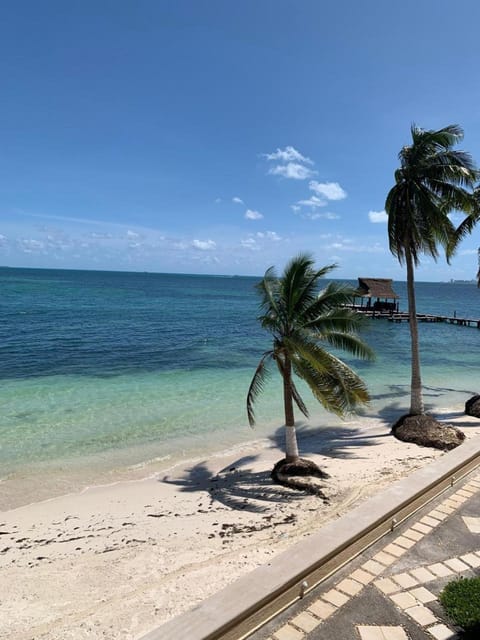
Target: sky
x,y
223,137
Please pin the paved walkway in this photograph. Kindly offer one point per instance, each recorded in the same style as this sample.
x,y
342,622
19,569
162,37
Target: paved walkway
x,y
390,592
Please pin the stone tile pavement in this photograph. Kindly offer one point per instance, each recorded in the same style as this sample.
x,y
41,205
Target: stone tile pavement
x,y
390,592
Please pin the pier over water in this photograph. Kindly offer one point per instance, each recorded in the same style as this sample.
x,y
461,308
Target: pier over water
x,y
379,300
403,316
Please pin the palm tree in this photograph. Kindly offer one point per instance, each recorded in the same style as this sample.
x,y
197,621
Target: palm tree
x,y
433,179
472,405
300,318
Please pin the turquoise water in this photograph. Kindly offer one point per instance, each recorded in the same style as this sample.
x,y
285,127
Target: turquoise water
x,y
113,369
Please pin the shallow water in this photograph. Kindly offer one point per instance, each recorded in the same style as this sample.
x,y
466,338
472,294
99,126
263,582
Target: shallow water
x,y
106,370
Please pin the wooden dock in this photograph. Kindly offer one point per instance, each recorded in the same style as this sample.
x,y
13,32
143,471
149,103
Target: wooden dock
x,y
402,316
425,317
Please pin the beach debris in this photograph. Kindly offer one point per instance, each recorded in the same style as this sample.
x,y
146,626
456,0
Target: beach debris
x,y
229,529
472,406
425,431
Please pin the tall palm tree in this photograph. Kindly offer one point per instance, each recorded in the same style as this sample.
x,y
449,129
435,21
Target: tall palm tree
x,y
433,179
472,405
301,318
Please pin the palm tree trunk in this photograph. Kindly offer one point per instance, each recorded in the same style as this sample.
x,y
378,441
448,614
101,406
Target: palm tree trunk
x,y
291,446
416,400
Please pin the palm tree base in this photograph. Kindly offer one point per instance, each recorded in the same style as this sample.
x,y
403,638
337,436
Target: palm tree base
x,y
298,474
427,432
472,406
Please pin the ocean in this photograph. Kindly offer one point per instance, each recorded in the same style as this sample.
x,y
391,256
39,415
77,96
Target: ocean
x,y
104,372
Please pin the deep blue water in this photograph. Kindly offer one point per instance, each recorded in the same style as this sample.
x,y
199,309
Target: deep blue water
x,y
106,323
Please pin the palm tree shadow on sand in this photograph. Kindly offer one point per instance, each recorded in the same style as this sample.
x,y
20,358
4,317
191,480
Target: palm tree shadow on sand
x,y
391,412
241,488
237,486
340,442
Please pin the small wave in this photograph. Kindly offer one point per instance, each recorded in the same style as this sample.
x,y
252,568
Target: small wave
x,y
146,463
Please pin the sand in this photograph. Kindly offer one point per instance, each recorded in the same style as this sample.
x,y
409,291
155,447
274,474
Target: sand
x,y
117,561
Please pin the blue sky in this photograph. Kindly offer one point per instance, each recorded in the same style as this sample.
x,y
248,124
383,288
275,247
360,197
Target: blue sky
x,y
213,136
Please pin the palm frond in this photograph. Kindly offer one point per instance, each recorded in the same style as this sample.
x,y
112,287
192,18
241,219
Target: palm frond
x,y
331,381
350,343
429,142
338,388
466,226
299,283
267,289
472,208
337,319
298,400
334,295
256,386
309,294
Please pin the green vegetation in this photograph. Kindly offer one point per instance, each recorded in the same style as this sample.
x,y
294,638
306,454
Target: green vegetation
x,y
301,318
468,225
461,601
432,181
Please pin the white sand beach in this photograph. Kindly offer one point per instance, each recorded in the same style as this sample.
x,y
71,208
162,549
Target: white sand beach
x,y
116,561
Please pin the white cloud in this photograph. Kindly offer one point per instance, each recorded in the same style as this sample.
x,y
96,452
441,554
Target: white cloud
x,y
237,200
204,245
347,245
326,216
29,245
313,201
272,235
377,217
291,164
292,170
249,243
269,235
253,215
323,193
289,154
218,200
330,190
463,252
132,234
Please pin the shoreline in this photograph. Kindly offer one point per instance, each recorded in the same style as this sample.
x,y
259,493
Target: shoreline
x,y
53,478
76,481
116,560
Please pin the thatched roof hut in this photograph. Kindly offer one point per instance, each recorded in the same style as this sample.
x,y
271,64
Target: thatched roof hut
x,y
379,289
376,288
